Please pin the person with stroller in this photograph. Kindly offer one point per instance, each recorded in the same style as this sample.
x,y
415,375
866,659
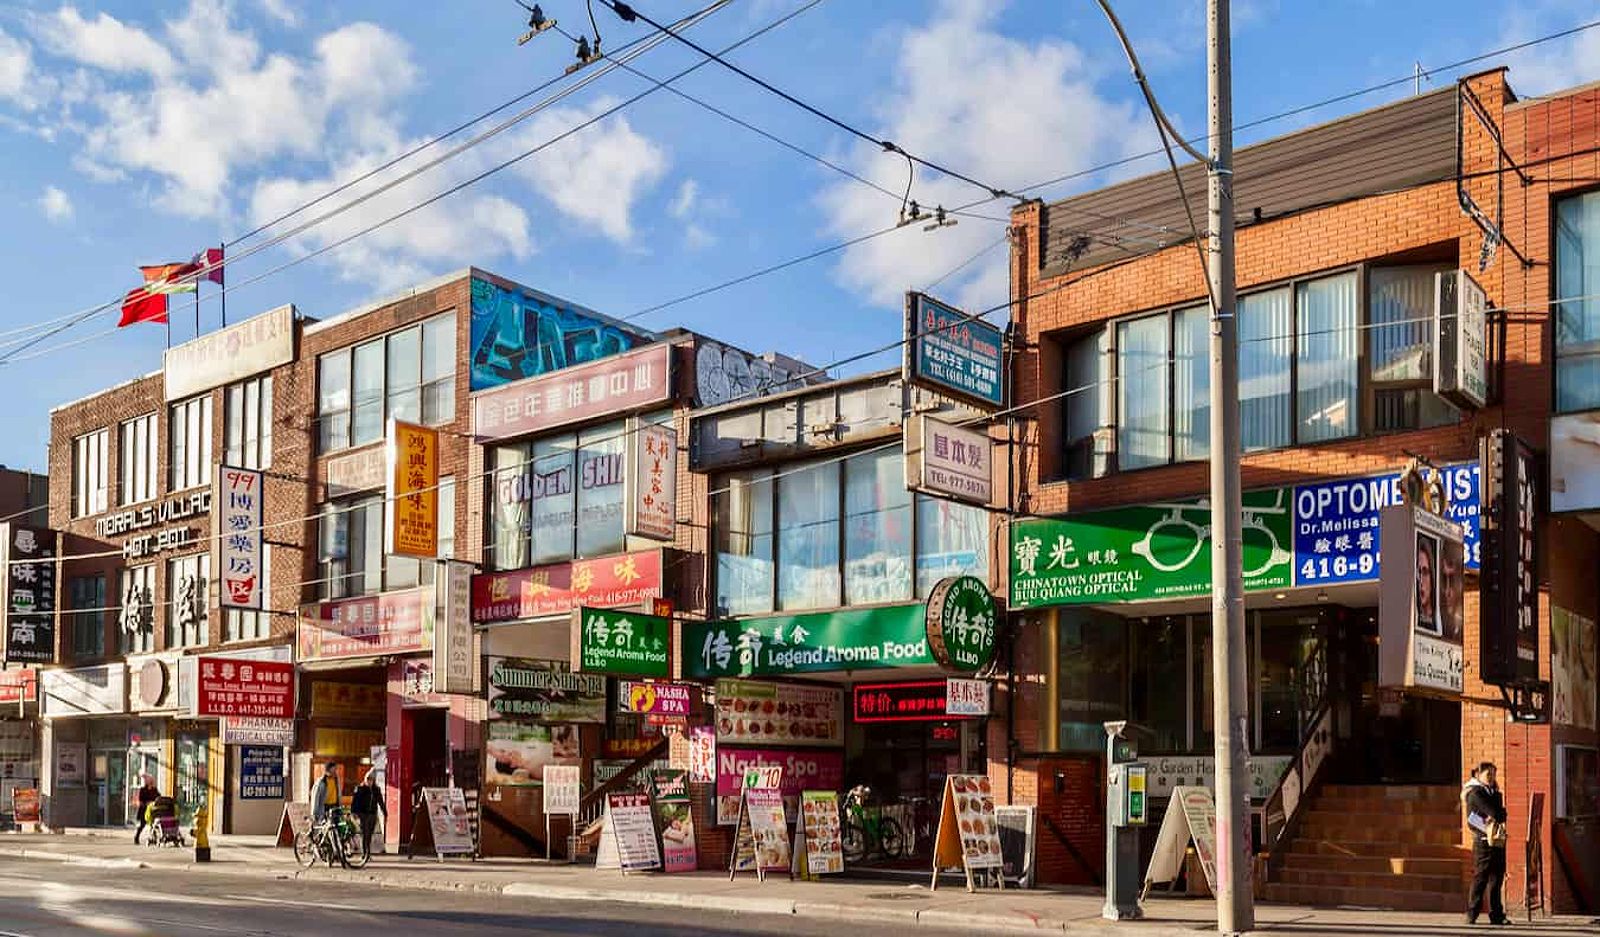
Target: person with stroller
x,y
147,796
162,817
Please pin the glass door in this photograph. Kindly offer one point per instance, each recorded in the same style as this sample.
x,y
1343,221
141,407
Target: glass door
x,y
140,762
191,753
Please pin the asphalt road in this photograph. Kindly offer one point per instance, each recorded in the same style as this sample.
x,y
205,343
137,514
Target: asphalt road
x,y
46,899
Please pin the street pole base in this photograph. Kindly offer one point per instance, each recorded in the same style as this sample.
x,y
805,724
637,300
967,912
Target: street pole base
x,y
1113,912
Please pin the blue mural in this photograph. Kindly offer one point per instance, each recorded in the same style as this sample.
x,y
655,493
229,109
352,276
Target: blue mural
x,y
518,334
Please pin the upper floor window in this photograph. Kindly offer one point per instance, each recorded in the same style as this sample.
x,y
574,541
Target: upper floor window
x,y
136,619
351,556
188,603
189,443
837,533
1400,349
136,458
89,481
88,597
407,375
247,423
1577,295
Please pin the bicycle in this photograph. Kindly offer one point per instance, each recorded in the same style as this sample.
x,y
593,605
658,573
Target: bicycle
x,y
867,832
335,838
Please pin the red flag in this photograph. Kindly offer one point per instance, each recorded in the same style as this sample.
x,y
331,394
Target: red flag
x,y
141,305
209,262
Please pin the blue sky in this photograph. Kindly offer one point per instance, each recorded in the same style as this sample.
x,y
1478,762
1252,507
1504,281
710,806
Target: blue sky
x,y
139,132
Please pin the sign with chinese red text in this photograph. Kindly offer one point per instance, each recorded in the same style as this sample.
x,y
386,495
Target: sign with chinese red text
x,y
950,461
453,660
793,770
562,789
966,697
754,712
619,384
29,588
625,644
411,522
557,589
652,482
907,701
238,546
656,699
702,754
19,685
387,623
628,748
258,730
229,687
257,344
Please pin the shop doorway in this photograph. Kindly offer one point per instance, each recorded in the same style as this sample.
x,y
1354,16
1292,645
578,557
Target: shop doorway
x,y
905,764
430,746
129,769
1393,738
192,754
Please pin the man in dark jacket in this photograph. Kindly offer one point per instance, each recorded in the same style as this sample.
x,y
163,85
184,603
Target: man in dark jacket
x,y
147,796
1486,812
367,803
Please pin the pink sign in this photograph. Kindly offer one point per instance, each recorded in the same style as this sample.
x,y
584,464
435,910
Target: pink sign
x,y
802,771
618,384
702,755
387,623
656,699
256,688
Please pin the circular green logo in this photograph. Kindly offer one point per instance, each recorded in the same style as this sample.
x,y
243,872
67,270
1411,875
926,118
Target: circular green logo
x,y
962,622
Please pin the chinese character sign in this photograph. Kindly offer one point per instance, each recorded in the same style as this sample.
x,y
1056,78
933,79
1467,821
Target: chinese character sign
x,y
412,517
953,351
948,460
260,773
621,383
627,644
238,545
962,623
232,687
653,482
30,594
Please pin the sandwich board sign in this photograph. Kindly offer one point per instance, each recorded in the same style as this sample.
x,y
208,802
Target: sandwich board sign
x,y
1191,814
969,836
628,834
761,839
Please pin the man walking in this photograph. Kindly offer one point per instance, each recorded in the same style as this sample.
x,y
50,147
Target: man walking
x,y
1486,819
367,803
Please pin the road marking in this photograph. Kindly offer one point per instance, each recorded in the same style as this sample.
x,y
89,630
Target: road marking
x,y
297,904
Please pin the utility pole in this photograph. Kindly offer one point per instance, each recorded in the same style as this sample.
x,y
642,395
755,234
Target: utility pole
x,y
1235,903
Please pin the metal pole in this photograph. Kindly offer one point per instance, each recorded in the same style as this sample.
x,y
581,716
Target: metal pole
x,y
1235,904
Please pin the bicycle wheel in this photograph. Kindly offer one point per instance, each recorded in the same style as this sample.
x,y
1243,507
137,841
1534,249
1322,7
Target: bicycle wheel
x,y
854,842
354,856
305,850
890,839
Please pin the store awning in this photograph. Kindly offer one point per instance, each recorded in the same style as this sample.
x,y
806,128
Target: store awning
x,y
344,663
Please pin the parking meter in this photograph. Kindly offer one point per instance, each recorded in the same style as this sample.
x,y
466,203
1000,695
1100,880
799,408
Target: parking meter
x,y
1126,807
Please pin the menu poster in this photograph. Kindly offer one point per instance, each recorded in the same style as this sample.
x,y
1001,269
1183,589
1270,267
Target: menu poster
x,y
634,832
675,820
449,820
753,712
968,836
819,811
25,805
561,789
764,809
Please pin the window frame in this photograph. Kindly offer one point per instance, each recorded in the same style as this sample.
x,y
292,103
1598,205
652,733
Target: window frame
x,y
1557,305
130,462
336,440
91,450
175,636
239,453
93,612
146,572
179,474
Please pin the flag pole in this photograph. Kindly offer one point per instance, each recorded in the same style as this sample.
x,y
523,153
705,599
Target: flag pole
x,y
197,310
223,296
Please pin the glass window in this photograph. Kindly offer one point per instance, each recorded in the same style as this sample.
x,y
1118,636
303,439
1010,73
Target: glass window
x,y
1088,407
601,459
352,548
366,388
552,503
247,423
1577,294
1091,681
1400,349
333,399
808,537
1158,661
402,373
136,622
406,375
877,565
1328,357
1142,392
447,517
439,370
1201,681
1191,383
137,449
88,597
1285,642
189,438
952,540
742,516
89,473
246,624
509,498
187,603
1266,346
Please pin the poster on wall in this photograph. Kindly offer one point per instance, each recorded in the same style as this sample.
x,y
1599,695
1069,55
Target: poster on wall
x,y
70,763
543,691
1420,603
702,755
674,820
800,770
1575,462
753,712
519,753
1572,669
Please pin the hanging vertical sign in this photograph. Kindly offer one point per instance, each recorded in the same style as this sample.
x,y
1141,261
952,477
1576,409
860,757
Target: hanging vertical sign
x,y
652,482
1509,586
453,661
29,589
238,545
1420,605
953,352
411,522
1460,320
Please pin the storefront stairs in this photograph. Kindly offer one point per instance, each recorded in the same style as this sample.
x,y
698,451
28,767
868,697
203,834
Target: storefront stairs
x,y
1379,846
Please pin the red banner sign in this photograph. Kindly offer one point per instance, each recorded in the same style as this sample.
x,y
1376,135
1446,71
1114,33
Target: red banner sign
x,y
909,701
232,687
389,623
618,384
19,685
604,582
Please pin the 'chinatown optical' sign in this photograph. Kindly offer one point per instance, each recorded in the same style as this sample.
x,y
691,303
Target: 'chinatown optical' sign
x,y
961,623
626,644
254,688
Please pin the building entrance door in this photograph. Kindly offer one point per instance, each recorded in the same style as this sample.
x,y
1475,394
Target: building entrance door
x,y
130,772
1393,737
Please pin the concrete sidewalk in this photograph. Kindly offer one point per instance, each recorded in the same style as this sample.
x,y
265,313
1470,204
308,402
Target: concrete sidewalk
x,y
843,900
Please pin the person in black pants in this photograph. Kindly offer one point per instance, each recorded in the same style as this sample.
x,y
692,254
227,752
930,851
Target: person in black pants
x,y
147,796
367,803
1486,818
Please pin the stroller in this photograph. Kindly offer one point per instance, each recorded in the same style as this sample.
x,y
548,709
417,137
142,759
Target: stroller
x,y
162,815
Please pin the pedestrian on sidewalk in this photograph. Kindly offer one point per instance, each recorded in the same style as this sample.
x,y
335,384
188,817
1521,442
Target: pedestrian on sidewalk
x,y
1486,819
367,803
326,792
147,796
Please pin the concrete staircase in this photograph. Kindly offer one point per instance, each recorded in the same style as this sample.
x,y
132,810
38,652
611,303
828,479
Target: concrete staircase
x,y
1378,846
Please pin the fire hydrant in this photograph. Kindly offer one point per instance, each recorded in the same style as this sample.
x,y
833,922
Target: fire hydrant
x,y
202,834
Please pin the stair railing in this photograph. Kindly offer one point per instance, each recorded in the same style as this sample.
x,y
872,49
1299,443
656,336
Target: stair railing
x,y
1314,713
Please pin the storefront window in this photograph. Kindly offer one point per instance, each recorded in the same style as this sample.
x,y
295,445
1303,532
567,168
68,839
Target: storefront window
x,y
877,566
551,504
1158,661
510,498
1090,676
743,543
952,540
808,537
1577,283
601,459
1201,683
188,604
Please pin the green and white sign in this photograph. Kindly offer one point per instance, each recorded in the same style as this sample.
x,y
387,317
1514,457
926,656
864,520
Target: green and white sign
x,y
626,644
1153,551
773,646
961,623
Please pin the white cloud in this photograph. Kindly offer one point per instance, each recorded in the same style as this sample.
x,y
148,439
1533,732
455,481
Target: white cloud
x,y
281,11
103,42
205,41
55,204
1555,65
596,175
684,202
16,64
1005,111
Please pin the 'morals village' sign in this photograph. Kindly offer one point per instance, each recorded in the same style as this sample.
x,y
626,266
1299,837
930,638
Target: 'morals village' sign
x,y
195,504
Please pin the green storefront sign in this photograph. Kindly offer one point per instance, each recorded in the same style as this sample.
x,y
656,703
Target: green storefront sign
x,y
961,623
625,644
1154,551
817,642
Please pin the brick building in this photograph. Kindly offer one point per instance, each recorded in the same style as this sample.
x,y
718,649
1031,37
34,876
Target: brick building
x,y
1345,232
